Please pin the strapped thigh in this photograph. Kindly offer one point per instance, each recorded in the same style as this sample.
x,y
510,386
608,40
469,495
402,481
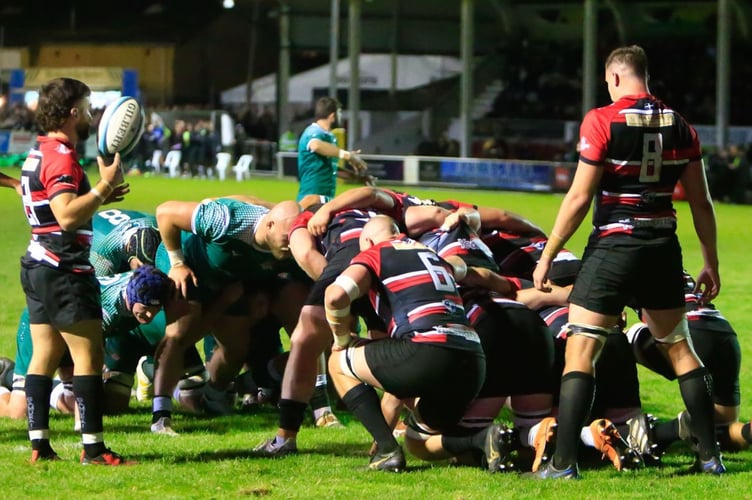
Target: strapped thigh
x,y
598,333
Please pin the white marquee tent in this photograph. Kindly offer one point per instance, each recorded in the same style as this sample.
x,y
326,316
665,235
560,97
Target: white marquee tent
x,y
375,74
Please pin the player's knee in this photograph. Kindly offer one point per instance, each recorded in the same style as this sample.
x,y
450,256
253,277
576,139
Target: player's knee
x,y
678,334
118,383
17,404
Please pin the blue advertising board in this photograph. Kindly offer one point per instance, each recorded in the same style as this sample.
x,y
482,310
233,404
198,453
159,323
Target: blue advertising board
x,y
506,174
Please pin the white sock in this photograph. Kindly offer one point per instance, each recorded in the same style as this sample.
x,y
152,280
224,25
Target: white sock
x,y
531,436
57,392
586,435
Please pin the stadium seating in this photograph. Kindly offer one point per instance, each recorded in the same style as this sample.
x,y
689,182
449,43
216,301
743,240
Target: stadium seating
x,y
223,162
242,168
172,163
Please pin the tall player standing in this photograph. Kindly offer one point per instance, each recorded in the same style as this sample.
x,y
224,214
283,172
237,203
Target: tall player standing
x,y
62,293
632,153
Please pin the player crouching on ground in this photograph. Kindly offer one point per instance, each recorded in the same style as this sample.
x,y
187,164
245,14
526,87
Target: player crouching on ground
x,y
430,341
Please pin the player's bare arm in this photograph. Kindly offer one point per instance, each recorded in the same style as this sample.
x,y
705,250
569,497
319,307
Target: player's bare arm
x,y
573,210
172,217
703,217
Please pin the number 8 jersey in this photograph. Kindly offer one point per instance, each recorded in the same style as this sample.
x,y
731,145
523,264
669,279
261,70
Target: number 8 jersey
x,y
415,294
643,148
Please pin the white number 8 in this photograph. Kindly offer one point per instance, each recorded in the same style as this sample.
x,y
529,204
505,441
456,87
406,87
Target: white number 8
x,y
652,157
114,216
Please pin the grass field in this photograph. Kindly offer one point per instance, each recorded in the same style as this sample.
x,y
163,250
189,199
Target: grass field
x,y
210,458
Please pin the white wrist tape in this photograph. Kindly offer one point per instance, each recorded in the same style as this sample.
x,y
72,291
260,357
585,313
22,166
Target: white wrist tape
x,y
176,257
348,285
342,340
334,316
96,193
344,154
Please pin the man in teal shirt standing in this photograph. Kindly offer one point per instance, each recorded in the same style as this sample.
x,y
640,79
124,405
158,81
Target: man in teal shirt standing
x,y
319,154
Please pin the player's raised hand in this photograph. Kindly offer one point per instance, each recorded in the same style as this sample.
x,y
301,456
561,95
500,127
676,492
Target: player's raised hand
x,y
111,173
357,163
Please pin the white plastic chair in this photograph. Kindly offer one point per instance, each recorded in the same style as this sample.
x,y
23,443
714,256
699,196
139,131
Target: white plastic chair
x,y
223,162
243,167
172,163
156,161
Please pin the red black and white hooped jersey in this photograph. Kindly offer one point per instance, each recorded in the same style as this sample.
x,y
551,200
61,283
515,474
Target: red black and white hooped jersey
x,y
556,317
704,316
415,294
403,201
463,242
643,147
517,254
345,226
51,169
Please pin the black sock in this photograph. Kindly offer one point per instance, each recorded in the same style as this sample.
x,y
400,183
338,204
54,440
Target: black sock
x,y
666,433
575,401
747,432
460,444
365,404
38,389
320,397
90,400
697,392
291,414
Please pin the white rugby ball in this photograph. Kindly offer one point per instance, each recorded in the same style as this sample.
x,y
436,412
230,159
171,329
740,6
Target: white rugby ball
x,y
121,127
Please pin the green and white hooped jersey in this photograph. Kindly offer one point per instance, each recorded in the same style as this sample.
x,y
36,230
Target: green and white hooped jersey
x,y
112,230
116,318
222,247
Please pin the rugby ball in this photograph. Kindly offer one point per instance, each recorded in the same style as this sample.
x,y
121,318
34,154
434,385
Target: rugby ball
x,y
120,127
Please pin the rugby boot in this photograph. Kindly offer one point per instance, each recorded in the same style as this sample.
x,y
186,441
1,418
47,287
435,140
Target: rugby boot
x,y
144,386
108,457
328,420
7,366
498,448
545,442
714,466
270,448
548,471
393,461
608,441
43,456
163,426
641,438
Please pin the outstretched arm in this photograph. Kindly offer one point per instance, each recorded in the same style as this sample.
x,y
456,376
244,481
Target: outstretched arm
x,y
573,210
364,197
11,182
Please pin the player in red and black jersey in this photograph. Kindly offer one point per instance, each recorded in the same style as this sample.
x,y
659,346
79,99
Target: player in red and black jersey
x,y
517,254
518,348
323,240
62,293
717,345
429,344
632,153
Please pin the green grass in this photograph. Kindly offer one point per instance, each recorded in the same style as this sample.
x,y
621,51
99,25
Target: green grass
x,y
210,459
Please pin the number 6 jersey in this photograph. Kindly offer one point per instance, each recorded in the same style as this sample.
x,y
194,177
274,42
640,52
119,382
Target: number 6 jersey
x,y
415,294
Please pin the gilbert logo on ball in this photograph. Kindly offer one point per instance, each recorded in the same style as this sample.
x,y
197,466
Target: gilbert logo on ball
x,y
121,127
